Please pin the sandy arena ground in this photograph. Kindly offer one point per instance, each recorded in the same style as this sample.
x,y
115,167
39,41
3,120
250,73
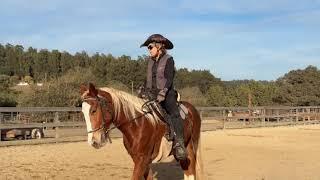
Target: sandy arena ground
x,y
266,153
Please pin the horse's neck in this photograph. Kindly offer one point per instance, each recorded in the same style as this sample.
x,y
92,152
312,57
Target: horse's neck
x,y
135,126
127,125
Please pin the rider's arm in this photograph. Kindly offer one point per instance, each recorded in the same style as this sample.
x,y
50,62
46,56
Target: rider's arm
x,y
169,73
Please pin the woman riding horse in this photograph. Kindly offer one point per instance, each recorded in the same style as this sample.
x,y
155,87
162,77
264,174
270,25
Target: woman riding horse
x,y
143,133
160,75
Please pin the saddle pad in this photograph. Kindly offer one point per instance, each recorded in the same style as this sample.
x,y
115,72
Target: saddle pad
x,y
183,111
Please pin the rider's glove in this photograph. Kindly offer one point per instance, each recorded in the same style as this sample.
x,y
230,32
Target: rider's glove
x,y
141,92
162,95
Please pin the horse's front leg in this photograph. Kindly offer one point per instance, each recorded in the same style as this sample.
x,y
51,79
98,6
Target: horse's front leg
x,y
141,165
148,175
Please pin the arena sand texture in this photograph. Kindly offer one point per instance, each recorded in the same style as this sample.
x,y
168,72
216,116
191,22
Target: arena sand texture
x,y
245,154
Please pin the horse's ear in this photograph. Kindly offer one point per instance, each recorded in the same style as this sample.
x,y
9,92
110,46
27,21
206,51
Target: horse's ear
x,y
83,88
92,89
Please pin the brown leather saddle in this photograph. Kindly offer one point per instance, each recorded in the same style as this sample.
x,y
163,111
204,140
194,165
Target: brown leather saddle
x,y
156,109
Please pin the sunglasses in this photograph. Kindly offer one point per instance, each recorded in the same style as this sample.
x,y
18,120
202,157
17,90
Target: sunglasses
x,y
150,47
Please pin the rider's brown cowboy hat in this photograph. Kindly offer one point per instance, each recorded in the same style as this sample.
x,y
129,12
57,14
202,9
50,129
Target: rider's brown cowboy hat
x,y
158,38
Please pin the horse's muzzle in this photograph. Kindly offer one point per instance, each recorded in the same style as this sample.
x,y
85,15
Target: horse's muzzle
x,y
96,145
98,140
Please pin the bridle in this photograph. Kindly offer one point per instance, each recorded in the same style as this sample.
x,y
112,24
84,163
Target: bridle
x,y
103,102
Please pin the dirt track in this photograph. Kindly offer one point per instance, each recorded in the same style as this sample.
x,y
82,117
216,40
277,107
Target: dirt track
x,y
266,153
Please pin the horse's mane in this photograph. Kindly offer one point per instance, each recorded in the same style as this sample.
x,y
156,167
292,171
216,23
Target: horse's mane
x,y
132,105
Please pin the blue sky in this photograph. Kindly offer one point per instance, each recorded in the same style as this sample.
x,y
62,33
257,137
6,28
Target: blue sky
x,y
234,39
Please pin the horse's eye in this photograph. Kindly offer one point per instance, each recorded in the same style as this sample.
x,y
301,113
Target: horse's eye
x,y
92,111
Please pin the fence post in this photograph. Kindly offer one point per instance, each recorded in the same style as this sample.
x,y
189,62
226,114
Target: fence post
x,y
278,118
263,113
57,131
290,116
224,119
297,117
56,121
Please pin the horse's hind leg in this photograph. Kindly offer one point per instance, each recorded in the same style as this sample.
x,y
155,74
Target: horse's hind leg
x,y
189,165
148,175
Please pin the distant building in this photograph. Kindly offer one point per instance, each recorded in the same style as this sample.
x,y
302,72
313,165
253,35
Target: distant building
x,y
27,84
23,84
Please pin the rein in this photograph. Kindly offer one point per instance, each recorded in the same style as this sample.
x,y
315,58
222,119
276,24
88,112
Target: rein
x,y
103,103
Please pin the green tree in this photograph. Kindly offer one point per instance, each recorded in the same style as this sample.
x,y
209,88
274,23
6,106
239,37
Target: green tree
x,y
216,96
200,78
41,68
299,87
66,62
7,96
60,92
193,95
54,61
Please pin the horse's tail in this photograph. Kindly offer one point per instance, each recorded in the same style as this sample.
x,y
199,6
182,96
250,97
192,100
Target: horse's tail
x,y
196,140
199,165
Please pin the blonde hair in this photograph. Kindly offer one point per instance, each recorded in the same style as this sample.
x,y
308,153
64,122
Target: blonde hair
x,y
162,48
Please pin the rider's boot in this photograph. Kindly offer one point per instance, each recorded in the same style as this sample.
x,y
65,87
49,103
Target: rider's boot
x,y
178,144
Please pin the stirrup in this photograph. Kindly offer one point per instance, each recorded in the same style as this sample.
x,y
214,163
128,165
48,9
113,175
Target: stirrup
x,y
176,144
169,135
180,151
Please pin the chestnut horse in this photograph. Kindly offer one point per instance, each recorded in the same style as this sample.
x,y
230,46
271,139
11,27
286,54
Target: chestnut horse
x,y
142,132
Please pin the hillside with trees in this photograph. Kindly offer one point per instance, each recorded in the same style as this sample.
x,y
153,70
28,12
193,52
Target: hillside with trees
x,y
61,73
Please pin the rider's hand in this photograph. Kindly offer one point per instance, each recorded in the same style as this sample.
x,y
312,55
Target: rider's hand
x,y
141,92
162,95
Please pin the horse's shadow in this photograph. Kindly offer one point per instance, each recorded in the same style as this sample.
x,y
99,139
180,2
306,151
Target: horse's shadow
x,y
167,171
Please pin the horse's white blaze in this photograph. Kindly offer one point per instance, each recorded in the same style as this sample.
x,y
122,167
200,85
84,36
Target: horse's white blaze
x,y
85,111
186,177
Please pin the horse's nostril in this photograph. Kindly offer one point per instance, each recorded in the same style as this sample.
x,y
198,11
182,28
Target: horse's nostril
x,y
96,145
